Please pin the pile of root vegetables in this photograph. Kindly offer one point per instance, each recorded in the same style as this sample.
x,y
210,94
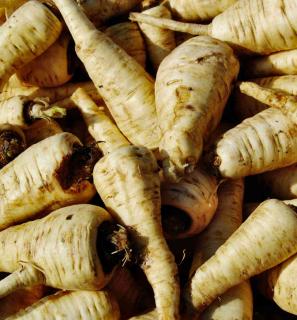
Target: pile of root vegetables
x,y
148,159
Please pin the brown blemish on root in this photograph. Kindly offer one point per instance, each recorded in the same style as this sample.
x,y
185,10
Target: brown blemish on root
x,y
112,245
77,167
11,145
174,220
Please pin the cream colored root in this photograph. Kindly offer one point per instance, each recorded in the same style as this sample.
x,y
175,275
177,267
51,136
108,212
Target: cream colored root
x,y
123,84
100,126
276,64
72,305
196,11
25,35
152,315
128,182
127,35
52,67
245,106
195,196
159,42
272,133
267,238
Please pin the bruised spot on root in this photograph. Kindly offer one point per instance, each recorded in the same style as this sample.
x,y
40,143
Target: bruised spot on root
x,y
112,245
11,145
78,166
174,220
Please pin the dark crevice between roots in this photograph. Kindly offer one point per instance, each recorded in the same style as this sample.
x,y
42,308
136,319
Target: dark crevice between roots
x,y
72,61
27,112
174,220
112,245
11,145
78,166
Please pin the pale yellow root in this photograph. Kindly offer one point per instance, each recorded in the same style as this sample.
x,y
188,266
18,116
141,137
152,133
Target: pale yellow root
x,y
14,87
241,25
37,180
280,284
196,11
245,106
159,42
152,315
100,126
69,305
19,300
189,205
276,64
126,88
127,35
41,129
236,303
25,35
53,68
193,84
60,251
272,133
267,238
128,182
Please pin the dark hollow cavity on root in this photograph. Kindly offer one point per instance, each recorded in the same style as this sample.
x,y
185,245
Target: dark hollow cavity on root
x,y
112,245
78,166
174,220
11,145
27,112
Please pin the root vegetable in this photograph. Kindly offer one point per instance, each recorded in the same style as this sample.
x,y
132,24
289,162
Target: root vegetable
x,y
72,305
193,84
281,284
265,239
245,106
189,205
25,35
12,143
236,303
249,26
138,208
41,129
196,11
152,315
127,35
126,88
272,133
52,68
159,42
48,175
22,111
73,248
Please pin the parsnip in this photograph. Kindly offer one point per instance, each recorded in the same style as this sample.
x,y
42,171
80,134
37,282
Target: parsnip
x,y
267,238
189,205
73,248
271,132
12,143
152,315
126,88
245,106
127,35
127,180
249,26
25,35
196,11
48,175
281,284
159,42
193,84
52,68
22,111
19,300
68,305
236,303
276,64
41,129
